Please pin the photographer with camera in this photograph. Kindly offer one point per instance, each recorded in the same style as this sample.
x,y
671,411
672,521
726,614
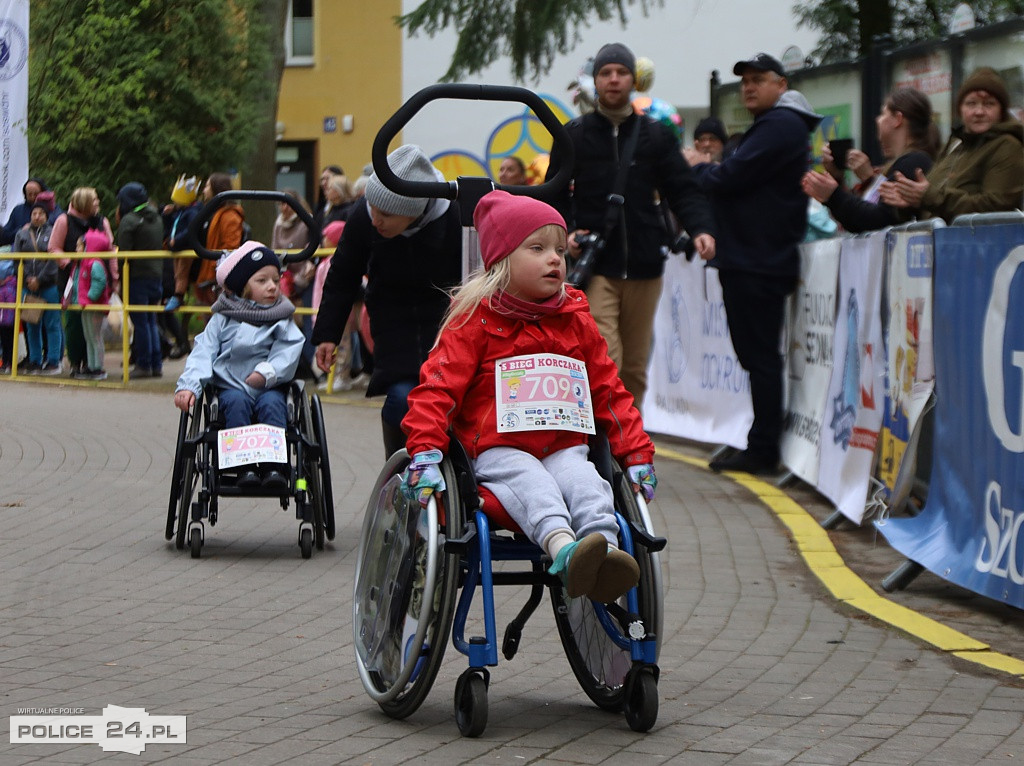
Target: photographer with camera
x,y
614,195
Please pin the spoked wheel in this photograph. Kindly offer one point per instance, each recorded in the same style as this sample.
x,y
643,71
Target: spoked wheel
x,y
641,703
306,542
405,590
326,499
471,702
188,475
196,541
599,663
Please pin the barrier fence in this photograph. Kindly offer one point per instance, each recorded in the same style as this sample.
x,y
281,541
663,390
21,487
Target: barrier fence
x,y
881,326
125,258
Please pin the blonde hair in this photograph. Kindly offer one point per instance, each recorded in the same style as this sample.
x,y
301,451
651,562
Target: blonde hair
x,y
83,198
341,185
480,287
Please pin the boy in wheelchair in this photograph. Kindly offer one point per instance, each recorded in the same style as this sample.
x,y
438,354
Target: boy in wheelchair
x,y
249,351
506,325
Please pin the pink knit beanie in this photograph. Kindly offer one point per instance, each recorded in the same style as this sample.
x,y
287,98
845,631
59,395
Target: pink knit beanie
x,y
504,220
235,268
97,241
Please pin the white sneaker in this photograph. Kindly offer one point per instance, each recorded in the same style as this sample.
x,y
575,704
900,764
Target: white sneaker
x,y
339,385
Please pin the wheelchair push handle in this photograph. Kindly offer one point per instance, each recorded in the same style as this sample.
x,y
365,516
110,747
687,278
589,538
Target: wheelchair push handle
x,y
468,92
206,214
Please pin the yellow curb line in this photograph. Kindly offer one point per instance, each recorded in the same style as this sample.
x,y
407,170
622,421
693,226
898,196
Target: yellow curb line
x,y
828,566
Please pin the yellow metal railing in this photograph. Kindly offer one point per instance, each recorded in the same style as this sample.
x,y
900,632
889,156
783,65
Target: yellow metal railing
x,y
123,278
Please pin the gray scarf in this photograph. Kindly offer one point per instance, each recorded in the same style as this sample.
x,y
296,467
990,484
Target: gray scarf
x,y
250,312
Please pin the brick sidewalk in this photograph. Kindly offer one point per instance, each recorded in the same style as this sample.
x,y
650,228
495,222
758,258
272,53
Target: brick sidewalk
x,y
253,643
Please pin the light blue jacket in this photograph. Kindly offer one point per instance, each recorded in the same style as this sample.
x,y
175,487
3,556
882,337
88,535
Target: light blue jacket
x,y
228,351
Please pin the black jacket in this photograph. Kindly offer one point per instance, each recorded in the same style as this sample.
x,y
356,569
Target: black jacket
x,y
857,215
406,291
634,246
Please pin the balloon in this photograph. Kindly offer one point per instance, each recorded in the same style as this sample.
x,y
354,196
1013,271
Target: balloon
x,y
660,110
644,74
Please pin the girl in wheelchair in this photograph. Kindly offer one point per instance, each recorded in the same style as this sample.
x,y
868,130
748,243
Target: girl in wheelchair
x,y
249,351
515,315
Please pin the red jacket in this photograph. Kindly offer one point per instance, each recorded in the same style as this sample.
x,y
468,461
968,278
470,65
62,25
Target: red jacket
x,y
456,390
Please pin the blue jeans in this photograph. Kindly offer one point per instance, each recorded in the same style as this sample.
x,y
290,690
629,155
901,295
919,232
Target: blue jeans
x,y
270,407
146,292
396,402
51,325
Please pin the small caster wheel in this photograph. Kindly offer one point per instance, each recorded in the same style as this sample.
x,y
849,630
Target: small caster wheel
x,y
195,539
306,542
641,703
471,704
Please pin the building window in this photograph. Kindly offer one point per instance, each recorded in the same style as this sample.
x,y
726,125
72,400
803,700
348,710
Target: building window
x,y
298,34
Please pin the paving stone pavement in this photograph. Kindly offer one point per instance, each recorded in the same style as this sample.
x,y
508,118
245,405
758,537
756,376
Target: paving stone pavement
x,y
253,644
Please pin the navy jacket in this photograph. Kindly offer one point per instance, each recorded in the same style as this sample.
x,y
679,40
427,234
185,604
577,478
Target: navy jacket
x,y
760,210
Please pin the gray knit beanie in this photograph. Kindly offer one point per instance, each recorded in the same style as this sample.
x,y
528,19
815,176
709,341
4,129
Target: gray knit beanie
x,y
615,53
408,162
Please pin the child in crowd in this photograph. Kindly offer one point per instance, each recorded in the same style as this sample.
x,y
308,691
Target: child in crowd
x,y
249,350
91,284
514,314
8,293
40,282
348,366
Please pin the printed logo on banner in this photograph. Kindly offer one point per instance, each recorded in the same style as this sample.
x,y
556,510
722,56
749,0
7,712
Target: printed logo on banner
x,y
993,360
13,49
679,343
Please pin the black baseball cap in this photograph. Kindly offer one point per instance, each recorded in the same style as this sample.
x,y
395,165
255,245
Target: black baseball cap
x,y
762,62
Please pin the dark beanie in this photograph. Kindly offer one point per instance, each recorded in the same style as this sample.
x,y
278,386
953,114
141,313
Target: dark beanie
x,y
711,125
987,79
615,53
235,268
132,195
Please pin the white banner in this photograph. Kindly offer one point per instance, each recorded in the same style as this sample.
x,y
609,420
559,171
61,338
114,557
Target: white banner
x,y
911,369
853,413
696,386
812,326
13,102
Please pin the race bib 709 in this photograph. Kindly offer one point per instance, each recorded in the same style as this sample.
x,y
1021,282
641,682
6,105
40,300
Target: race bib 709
x,y
543,392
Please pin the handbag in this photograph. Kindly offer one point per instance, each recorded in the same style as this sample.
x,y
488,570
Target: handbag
x,y
31,316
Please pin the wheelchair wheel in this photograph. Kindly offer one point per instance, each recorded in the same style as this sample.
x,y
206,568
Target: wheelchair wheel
x,y
324,492
600,665
405,589
189,475
471,702
176,477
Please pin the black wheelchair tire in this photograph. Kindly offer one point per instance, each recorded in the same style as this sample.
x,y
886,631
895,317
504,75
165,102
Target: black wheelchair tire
x,y
179,458
326,493
600,666
189,473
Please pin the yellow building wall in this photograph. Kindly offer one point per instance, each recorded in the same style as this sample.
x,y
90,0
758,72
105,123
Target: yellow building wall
x,y
357,71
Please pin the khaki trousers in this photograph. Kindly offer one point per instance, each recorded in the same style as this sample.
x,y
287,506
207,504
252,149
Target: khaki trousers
x,y
624,312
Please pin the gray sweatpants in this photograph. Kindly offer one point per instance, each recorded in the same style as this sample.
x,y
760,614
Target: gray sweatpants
x,y
562,491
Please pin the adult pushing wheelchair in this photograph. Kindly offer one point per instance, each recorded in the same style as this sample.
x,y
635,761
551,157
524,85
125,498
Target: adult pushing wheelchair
x,y
210,463
413,559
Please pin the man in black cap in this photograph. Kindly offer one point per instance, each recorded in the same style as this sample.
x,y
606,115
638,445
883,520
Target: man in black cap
x,y
626,282
761,217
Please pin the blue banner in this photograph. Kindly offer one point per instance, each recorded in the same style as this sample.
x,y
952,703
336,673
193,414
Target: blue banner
x,y
971,531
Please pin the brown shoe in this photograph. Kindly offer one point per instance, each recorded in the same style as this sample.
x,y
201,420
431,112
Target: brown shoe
x,y
618,573
584,562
